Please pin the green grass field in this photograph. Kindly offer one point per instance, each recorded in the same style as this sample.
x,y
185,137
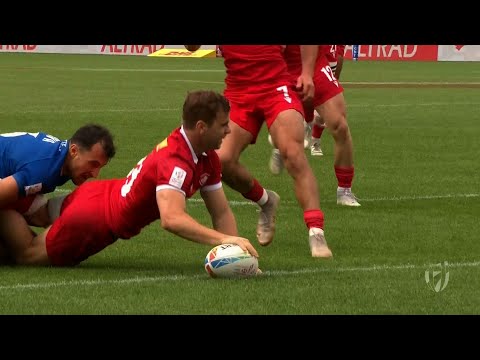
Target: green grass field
x,y
417,172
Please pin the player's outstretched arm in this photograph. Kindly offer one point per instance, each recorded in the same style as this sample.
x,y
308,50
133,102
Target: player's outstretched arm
x,y
222,216
174,218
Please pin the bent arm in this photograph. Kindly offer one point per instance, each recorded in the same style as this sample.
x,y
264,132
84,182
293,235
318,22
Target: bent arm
x,y
222,216
174,218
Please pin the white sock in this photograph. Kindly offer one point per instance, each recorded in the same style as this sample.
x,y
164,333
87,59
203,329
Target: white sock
x,y
263,200
314,231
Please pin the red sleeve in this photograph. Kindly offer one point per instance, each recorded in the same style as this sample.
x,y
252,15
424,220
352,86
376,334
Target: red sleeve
x,y
340,50
216,174
173,172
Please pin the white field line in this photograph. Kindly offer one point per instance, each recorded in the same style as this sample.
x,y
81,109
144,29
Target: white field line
x,y
413,104
69,111
145,110
198,81
291,202
223,71
419,83
147,70
273,273
117,69
409,83
395,198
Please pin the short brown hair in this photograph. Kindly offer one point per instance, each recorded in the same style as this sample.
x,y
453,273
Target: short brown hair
x,y
203,105
90,134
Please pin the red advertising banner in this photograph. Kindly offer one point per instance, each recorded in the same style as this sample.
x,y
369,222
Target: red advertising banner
x,y
394,52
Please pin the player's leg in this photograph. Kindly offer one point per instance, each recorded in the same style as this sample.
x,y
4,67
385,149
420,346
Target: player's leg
x,y
333,111
244,131
317,131
20,241
5,258
22,244
288,134
80,231
307,132
275,163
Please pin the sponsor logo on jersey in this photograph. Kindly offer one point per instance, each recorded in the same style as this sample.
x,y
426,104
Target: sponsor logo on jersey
x,y
33,189
203,179
178,177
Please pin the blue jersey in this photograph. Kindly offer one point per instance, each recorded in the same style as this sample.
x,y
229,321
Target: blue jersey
x,y
35,161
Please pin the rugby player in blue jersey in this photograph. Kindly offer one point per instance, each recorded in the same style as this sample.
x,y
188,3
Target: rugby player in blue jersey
x,y
32,164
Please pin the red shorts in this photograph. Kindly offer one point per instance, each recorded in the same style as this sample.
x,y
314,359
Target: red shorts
x,y
250,107
81,230
326,87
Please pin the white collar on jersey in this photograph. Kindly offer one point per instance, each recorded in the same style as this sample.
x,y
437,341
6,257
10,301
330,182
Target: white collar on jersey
x,y
195,158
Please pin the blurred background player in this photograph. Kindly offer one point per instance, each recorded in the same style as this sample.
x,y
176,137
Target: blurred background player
x,y
98,213
330,105
315,128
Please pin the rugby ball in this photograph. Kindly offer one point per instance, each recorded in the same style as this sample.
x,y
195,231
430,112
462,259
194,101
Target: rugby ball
x,y
230,261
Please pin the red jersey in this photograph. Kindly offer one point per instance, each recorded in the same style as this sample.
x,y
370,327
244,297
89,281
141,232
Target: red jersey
x,y
334,51
172,164
254,66
293,58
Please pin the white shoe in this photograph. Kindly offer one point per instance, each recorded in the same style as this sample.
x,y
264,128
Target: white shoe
x,y
270,140
318,244
276,163
307,135
315,149
346,197
266,219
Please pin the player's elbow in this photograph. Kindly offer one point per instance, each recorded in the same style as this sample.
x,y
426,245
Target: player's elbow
x,y
169,223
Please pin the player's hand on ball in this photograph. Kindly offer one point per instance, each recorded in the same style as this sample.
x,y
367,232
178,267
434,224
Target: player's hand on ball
x,y
242,242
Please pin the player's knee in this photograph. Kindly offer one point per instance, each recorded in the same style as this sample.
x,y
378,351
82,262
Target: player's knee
x,y
294,158
228,166
31,257
337,123
342,130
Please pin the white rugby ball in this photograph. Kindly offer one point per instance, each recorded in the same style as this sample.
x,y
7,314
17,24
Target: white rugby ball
x,y
230,261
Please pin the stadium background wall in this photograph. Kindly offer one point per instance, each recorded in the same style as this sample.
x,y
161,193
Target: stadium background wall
x,y
366,52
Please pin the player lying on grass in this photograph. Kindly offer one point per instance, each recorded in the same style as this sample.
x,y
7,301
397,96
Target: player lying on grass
x,y
99,212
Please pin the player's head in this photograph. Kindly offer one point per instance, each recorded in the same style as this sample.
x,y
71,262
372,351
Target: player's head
x,y
205,113
90,149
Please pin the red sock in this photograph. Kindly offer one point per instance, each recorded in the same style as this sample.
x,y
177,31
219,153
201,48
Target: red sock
x,y
344,176
317,131
255,193
313,218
